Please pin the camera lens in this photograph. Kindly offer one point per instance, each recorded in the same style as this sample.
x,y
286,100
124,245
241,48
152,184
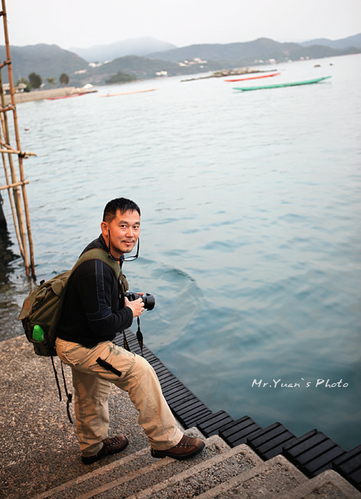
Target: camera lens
x,y
149,301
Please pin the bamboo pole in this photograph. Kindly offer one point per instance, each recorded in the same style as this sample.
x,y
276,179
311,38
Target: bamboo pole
x,y
23,154
16,191
10,186
12,205
4,109
13,212
16,188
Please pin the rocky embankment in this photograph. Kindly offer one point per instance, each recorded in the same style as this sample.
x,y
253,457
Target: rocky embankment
x,y
55,93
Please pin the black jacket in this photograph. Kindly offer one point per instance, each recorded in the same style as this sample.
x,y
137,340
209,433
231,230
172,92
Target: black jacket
x,y
94,306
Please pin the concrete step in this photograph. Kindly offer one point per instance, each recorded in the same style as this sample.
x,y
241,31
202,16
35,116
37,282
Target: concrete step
x,y
132,473
329,485
237,475
278,478
197,479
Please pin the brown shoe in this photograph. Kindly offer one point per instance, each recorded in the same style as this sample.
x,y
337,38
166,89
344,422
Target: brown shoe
x,y
111,446
186,448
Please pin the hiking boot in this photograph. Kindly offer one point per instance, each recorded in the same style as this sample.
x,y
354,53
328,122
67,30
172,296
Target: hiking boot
x,y
187,447
111,446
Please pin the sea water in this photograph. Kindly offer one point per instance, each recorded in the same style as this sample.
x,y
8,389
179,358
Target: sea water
x,y
250,237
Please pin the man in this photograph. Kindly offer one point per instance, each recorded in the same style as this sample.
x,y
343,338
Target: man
x,y
95,309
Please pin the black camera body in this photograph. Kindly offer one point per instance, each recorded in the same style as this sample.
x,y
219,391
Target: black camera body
x,y
148,299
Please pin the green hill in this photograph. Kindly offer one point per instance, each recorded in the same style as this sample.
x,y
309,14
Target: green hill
x,y
48,61
143,68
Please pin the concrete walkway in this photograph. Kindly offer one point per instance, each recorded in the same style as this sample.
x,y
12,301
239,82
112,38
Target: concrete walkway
x,y
39,444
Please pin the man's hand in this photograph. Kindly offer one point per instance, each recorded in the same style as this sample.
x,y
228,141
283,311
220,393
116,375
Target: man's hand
x,y
136,306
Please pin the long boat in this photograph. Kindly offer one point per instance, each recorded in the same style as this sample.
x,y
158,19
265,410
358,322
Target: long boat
x,y
254,77
281,85
130,92
66,96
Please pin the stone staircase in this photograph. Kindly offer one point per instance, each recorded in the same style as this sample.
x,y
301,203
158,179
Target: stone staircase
x,y
218,472
241,459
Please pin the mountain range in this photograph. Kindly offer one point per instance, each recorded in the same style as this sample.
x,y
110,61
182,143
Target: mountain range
x,y
149,47
246,53
147,58
133,46
343,43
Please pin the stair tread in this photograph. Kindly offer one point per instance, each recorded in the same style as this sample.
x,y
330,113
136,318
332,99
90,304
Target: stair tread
x,y
270,479
328,484
203,475
138,466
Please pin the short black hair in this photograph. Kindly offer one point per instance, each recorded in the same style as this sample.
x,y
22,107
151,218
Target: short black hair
x,y
121,204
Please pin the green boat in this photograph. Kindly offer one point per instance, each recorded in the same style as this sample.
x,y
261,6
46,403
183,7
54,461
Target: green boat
x,y
281,85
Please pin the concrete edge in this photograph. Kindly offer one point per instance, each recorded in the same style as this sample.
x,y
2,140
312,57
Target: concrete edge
x,y
254,472
327,477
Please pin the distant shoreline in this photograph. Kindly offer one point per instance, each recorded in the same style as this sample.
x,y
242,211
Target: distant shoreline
x,y
48,94
55,93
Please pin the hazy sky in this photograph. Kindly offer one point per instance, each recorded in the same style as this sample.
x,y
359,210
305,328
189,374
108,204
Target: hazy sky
x,y
84,23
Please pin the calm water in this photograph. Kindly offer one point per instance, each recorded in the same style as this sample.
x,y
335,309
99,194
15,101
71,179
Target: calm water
x,y
250,231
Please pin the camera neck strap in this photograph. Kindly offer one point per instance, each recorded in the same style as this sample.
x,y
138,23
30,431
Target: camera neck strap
x,y
139,338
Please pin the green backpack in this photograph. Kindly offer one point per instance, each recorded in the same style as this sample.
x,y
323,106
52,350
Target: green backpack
x,y
42,308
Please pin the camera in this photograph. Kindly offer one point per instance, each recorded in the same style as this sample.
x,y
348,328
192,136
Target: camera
x,y
148,299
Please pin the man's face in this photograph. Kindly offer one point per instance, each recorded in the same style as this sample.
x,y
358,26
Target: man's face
x,y
123,231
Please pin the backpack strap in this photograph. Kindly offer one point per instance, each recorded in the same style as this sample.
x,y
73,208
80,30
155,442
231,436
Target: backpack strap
x,y
101,254
98,254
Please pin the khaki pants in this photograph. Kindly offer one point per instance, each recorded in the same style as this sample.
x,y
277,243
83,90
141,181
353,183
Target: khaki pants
x,y
92,384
